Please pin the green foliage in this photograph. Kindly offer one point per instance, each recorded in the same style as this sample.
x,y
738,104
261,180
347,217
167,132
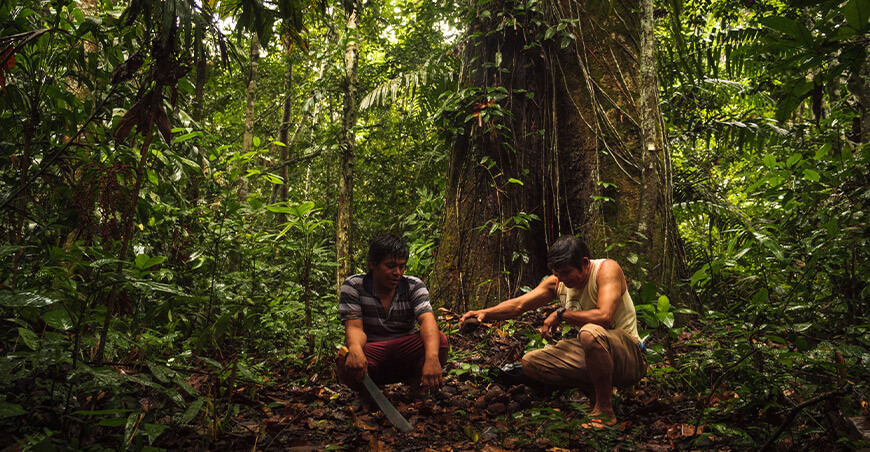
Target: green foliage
x,y
141,288
770,197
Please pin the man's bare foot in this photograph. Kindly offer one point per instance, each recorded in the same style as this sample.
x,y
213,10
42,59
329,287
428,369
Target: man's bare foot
x,y
599,421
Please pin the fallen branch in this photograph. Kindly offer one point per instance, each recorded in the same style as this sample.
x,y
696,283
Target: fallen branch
x,y
793,412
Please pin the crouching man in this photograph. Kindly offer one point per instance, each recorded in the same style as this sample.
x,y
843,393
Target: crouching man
x,y
380,311
593,295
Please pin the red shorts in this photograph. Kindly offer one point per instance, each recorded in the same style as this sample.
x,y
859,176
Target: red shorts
x,y
396,360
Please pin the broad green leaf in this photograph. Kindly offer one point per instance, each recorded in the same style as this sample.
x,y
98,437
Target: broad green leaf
x,y
186,136
549,33
140,261
152,177
273,179
304,208
278,209
144,261
100,262
801,327
190,412
769,161
666,318
823,152
58,319
212,362
161,373
29,338
664,304
148,286
811,175
795,92
153,431
156,260
857,14
794,29
186,386
78,15
10,410
113,422
256,141
24,299
190,164
770,244
794,158
699,275
760,297
130,427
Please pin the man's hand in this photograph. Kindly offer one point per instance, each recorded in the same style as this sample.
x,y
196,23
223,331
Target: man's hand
x,y
431,377
355,364
551,325
479,315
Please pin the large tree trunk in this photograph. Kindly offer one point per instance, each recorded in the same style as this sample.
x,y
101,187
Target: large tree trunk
x,y
565,127
345,145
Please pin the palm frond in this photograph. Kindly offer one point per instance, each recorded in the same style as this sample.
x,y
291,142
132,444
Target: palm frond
x,y
404,86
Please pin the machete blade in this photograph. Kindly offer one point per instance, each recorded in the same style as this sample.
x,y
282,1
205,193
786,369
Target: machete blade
x,y
392,414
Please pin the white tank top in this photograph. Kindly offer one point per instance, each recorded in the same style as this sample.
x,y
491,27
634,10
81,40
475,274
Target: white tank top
x,y
586,298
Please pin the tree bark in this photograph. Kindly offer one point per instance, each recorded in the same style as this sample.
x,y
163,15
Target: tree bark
x,y
346,145
201,67
283,191
565,126
248,138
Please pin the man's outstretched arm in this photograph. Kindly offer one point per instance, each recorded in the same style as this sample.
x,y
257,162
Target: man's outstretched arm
x,y
508,309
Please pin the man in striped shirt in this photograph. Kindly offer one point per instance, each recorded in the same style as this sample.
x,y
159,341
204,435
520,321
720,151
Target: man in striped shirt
x,y
380,311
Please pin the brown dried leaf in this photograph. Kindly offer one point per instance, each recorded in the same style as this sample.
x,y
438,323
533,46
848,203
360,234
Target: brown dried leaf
x,y
688,430
162,120
360,422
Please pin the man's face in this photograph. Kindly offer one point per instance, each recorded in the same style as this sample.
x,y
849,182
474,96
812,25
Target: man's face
x,y
388,273
573,277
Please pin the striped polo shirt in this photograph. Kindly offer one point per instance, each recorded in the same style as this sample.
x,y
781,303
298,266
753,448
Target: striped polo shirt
x,y
360,301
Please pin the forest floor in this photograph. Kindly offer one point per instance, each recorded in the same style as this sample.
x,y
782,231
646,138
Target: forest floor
x,y
304,410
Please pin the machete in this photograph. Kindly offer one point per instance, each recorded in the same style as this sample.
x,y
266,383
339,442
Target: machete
x,y
392,414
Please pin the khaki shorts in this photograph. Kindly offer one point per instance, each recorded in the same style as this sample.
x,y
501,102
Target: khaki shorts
x,y
564,364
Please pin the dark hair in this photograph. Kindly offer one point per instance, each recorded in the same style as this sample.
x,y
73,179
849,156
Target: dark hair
x,y
384,245
567,250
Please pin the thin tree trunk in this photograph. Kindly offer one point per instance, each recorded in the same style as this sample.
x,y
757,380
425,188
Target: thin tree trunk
x,y
127,234
248,139
201,67
346,145
283,191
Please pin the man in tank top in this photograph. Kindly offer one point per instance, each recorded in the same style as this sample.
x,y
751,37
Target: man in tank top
x,y
593,297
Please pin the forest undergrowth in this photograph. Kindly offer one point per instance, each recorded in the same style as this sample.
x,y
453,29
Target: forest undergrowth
x,y
295,403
